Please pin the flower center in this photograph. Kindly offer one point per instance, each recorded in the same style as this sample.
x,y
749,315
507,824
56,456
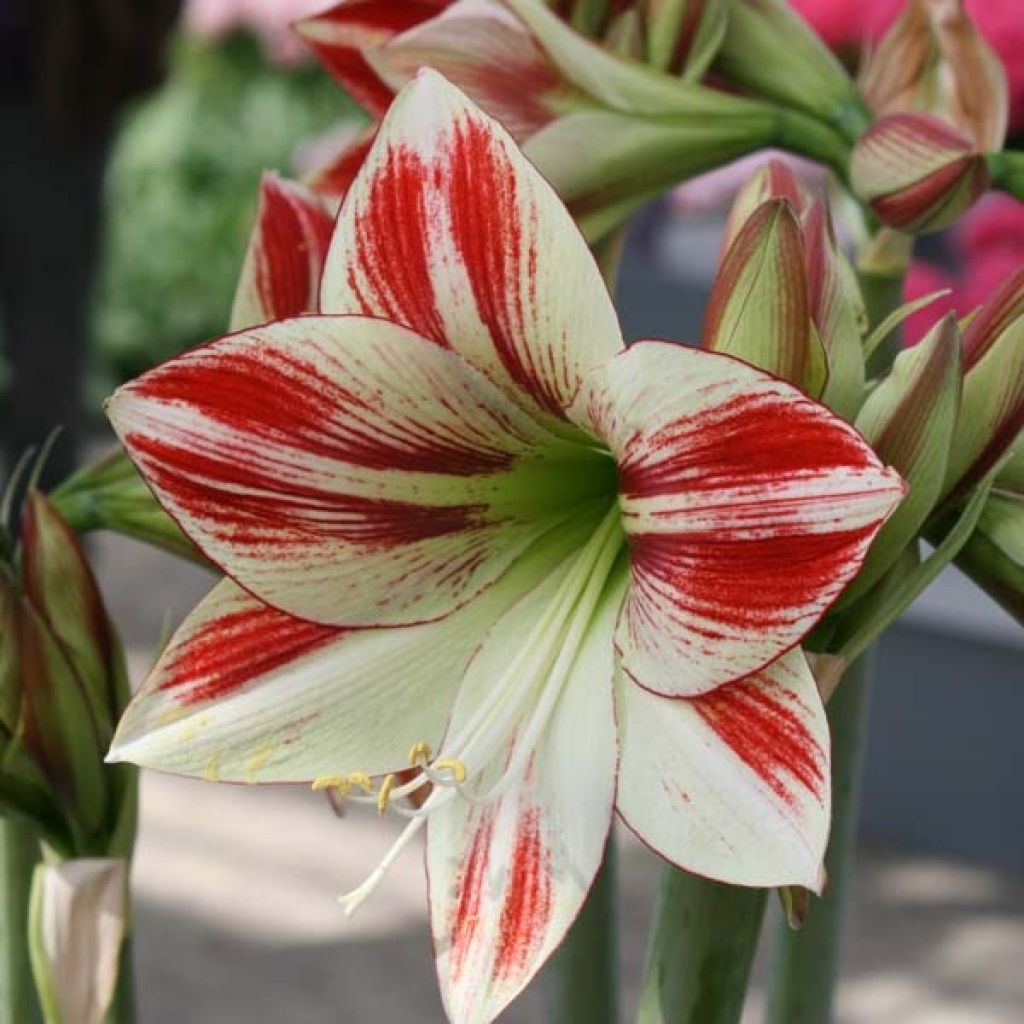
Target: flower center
x,y
488,749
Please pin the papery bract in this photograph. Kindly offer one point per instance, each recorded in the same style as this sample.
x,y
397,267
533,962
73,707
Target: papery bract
x,y
593,559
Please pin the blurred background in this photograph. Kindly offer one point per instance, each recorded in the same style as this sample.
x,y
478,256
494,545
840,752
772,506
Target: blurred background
x,y
121,237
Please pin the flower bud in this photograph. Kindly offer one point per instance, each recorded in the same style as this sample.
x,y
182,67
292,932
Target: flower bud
x,y
759,309
77,923
770,51
60,731
934,60
994,555
909,420
992,407
917,173
834,303
110,495
60,586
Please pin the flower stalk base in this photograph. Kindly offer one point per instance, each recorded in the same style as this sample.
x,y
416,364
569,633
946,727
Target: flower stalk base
x,y
807,965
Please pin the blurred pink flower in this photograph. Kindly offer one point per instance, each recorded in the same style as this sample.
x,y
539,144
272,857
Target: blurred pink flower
x,y
989,247
271,20
851,23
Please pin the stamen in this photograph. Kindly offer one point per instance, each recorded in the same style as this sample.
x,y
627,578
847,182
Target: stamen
x,y
456,769
420,753
384,794
360,780
322,782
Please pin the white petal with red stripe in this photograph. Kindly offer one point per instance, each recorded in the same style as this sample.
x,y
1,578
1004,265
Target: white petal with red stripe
x,y
747,505
246,693
281,273
449,230
484,49
347,471
732,785
508,877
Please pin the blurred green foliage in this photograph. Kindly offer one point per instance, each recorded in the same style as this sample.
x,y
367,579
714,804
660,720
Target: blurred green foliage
x,y
182,190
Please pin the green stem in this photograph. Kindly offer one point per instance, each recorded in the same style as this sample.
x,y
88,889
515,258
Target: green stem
x,y
702,946
19,848
807,136
1007,171
882,294
807,966
122,1010
581,980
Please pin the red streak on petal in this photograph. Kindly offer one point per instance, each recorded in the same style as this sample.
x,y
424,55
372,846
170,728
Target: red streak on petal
x,y
528,903
249,504
269,394
734,582
391,277
770,738
489,233
749,441
335,178
357,24
227,653
294,234
469,887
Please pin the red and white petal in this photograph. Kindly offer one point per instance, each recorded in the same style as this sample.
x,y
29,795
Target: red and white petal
x,y
333,180
732,785
247,693
747,505
484,49
488,260
508,878
284,261
344,469
340,35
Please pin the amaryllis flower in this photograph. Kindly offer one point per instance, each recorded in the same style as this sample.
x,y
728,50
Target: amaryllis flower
x,y
467,531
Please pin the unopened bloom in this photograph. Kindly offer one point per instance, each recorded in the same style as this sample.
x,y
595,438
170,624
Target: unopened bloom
x,y
786,298
595,563
917,173
934,60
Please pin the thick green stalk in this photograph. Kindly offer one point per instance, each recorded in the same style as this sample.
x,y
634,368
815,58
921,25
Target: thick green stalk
x,y
806,136
1007,171
122,1010
702,946
582,979
19,848
807,966
882,293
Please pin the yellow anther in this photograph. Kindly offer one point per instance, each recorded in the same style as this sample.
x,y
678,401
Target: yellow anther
x,y
328,782
419,752
384,794
361,780
451,764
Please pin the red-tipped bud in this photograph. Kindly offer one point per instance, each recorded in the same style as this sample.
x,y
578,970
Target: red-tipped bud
x,y
918,173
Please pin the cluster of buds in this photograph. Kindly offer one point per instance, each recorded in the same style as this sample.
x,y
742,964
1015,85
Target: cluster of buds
x,y
941,97
63,686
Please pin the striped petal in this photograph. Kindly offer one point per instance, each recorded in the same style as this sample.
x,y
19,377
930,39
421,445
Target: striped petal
x,y
748,508
508,877
733,785
484,49
340,35
246,693
490,262
284,261
345,470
